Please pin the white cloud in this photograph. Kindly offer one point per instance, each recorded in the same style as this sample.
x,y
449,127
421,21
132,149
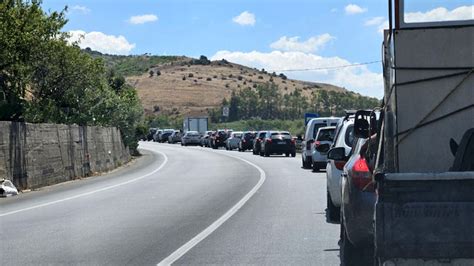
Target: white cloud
x,y
81,9
352,9
374,21
441,14
101,42
142,19
245,19
292,44
358,78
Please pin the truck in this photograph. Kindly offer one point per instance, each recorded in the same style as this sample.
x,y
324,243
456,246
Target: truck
x,y
424,165
196,123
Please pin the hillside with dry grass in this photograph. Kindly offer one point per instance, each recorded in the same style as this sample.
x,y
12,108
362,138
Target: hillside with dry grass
x,y
182,88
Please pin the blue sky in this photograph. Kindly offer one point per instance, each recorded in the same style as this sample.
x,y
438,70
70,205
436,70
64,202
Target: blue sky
x,y
255,33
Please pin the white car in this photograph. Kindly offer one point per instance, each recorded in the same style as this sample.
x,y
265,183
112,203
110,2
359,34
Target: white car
x,y
344,137
319,149
310,135
233,141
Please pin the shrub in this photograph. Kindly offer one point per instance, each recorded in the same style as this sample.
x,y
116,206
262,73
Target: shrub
x,y
260,77
190,75
239,77
282,76
208,79
184,77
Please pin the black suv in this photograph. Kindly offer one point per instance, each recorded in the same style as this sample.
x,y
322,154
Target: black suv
x,y
278,142
256,142
246,142
219,138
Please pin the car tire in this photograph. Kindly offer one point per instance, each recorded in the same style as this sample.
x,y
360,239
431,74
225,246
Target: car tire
x,y
266,153
351,255
287,154
333,213
316,167
293,154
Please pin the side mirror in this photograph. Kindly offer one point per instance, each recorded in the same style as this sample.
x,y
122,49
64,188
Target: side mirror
x,y
337,154
361,124
323,148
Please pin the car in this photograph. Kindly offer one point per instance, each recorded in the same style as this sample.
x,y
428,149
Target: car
x,y
278,142
257,142
175,137
233,140
206,138
219,138
191,138
151,132
323,141
246,142
163,137
310,134
357,208
344,138
156,136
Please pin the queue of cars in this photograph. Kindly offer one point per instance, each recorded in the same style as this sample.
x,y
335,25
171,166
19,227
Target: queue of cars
x,y
263,143
330,143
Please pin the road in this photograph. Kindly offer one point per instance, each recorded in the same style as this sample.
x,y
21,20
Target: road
x,y
186,205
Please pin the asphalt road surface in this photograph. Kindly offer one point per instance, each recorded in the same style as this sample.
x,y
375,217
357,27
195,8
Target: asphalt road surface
x,y
180,205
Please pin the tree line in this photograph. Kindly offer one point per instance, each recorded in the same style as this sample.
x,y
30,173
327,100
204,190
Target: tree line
x,y
46,79
266,102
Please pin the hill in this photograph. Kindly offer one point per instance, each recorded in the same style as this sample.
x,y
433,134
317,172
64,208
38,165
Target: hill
x,y
179,85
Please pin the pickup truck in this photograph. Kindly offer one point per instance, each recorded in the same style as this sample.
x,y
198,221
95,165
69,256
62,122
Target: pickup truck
x,y
424,163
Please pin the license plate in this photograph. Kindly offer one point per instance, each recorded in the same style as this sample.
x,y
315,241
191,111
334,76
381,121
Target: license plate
x,y
281,142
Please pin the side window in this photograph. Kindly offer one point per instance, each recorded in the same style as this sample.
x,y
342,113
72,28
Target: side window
x,y
349,137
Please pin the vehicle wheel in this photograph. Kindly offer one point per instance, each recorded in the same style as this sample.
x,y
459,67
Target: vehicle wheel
x,y
316,167
287,154
261,153
293,154
333,213
182,144
351,255
267,153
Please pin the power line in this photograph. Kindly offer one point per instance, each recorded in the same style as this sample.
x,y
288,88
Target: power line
x,y
326,68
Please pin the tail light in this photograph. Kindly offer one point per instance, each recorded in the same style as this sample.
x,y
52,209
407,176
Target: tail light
x,y
361,175
293,141
269,140
339,164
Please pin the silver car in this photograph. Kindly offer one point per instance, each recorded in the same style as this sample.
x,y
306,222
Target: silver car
x,y
319,149
233,141
191,138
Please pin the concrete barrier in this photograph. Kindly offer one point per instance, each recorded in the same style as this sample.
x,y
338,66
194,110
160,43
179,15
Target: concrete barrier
x,y
36,155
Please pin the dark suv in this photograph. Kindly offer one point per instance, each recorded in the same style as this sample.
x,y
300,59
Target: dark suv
x,y
278,142
256,142
246,142
218,139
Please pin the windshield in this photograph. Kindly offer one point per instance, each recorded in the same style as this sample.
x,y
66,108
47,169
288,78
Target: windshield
x,y
326,135
316,128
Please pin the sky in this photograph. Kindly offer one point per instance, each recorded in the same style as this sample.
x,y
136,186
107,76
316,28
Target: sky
x,y
278,35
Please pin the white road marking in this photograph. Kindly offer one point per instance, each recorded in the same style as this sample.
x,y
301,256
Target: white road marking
x,y
177,254
90,192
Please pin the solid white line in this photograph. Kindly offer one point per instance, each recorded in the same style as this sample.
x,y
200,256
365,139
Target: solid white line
x,y
211,228
90,192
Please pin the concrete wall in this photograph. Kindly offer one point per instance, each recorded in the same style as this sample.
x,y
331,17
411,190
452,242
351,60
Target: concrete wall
x,y
35,155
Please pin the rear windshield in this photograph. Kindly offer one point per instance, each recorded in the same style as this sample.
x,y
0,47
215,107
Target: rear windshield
x,y
281,135
248,135
317,127
349,138
261,135
326,135
237,136
193,134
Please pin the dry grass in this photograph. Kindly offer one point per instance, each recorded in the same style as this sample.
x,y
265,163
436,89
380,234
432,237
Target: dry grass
x,y
207,87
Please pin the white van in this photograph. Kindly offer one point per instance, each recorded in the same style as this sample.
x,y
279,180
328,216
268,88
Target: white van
x,y
310,134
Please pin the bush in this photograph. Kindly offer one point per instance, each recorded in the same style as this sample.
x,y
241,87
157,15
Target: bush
x,y
208,79
190,75
239,77
260,77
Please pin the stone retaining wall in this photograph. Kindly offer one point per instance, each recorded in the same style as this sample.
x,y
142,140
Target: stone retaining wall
x,y
36,155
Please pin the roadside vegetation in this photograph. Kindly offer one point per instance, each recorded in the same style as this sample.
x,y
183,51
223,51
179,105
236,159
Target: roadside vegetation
x,y
266,102
44,79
